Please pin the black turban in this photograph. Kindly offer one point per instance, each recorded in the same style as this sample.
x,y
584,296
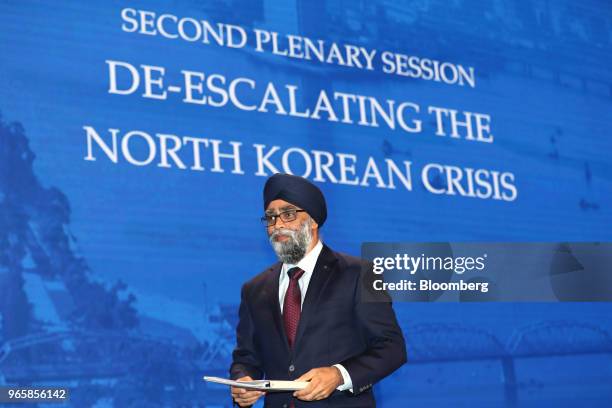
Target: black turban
x,y
297,191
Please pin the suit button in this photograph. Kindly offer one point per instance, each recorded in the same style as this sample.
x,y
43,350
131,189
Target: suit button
x,y
285,406
291,368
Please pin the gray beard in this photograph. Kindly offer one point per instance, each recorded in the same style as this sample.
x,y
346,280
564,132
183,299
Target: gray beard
x,y
292,250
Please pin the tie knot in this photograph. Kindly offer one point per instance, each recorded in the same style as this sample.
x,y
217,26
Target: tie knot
x,y
295,273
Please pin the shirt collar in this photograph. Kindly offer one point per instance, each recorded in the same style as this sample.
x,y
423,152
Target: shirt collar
x,y
308,262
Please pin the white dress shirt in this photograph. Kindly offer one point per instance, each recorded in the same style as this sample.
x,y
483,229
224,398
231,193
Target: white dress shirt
x,y
307,264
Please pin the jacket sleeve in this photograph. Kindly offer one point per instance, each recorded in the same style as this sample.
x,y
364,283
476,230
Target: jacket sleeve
x,y
245,359
386,348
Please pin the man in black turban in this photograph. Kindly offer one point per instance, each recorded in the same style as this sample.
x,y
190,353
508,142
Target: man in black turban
x,y
293,196
303,319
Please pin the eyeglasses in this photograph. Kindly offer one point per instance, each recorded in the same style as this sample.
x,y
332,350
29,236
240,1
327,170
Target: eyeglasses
x,y
269,220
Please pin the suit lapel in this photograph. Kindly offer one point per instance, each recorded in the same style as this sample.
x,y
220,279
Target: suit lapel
x,y
320,276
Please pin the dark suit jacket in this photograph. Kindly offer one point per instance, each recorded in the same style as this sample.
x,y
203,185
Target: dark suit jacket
x,y
336,326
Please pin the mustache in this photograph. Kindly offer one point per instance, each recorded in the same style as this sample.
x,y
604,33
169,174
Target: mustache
x,y
283,231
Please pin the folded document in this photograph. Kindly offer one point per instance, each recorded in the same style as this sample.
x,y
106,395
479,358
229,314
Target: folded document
x,y
261,385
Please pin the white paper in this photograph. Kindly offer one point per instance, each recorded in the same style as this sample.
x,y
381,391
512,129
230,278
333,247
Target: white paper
x,y
261,385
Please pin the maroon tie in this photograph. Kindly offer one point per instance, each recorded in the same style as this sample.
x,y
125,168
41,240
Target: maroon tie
x,y
292,307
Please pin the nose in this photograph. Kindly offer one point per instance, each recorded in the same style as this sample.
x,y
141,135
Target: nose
x,y
278,224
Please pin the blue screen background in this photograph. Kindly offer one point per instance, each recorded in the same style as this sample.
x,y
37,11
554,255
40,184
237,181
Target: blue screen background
x,y
122,282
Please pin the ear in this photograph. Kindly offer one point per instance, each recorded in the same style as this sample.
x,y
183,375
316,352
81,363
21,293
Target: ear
x,y
313,223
